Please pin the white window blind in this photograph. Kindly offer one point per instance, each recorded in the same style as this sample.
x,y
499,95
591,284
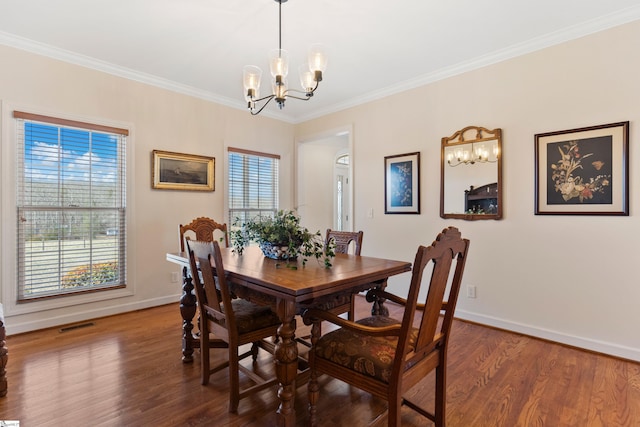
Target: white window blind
x,y
253,184
71,201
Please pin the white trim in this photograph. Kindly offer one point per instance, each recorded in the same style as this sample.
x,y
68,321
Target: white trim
x,y
598,346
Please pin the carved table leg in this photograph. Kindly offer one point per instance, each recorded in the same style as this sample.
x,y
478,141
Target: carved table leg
x,y
313,389
187,311
286,363
378,307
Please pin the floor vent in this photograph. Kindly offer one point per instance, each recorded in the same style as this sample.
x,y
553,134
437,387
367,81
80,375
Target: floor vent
x,y
78,326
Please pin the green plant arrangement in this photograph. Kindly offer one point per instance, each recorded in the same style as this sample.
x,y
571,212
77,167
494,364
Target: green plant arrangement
x,y
281,237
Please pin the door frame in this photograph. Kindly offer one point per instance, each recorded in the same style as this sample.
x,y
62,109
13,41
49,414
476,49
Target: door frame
x,y
339,131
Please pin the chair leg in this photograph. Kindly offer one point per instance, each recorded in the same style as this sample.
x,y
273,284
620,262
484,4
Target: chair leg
x,y
204,355
234,378
395,412
441,384
312,386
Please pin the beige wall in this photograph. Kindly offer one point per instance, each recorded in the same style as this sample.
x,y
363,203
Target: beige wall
x,y
567,278
158,119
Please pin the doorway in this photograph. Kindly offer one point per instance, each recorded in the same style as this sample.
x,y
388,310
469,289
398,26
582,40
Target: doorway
x,y
324,184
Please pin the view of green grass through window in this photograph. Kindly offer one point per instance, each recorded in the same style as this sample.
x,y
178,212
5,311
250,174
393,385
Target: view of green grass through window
x,y
71,207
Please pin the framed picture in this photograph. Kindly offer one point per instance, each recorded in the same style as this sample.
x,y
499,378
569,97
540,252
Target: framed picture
x,y
402,184
175,171
583,171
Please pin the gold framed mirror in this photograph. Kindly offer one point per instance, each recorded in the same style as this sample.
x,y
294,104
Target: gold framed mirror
x,y
471,174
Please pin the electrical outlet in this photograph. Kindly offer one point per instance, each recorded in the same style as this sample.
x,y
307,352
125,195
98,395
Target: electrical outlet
x,y
471,291
175,277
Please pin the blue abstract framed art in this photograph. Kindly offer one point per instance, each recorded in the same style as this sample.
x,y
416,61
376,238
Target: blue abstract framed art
x,y
402,184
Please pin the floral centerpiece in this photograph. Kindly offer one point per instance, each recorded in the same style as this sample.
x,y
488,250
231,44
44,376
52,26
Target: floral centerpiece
x,y
281,237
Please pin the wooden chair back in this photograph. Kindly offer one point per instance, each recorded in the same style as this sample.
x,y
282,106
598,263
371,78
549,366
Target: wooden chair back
x,y
449,247
212,290
203,229
342,240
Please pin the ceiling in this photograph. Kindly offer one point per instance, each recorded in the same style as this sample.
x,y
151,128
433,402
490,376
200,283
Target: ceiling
x,y
376,47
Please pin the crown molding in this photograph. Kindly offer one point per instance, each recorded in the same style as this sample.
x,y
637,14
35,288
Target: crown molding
x,y
570,33
593,26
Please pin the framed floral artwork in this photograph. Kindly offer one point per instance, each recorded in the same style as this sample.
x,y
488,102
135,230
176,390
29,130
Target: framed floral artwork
x,y
402,184
583,171
177,171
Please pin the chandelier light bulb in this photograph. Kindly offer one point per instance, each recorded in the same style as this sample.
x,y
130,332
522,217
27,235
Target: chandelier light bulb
x,y
476,154
279,63
279,89
317,58
251,76
306,78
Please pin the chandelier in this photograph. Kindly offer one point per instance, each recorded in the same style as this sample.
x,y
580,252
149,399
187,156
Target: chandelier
x,y
477,154
310,75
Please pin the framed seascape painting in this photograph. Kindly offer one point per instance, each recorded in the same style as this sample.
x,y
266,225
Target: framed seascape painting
x,y
175,171
583,171
402,184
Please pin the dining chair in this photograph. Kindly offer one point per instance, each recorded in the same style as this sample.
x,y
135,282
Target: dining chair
x,y
233,322
387,357
342,241
205,229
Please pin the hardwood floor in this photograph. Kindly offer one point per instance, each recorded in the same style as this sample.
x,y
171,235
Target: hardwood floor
x,y
121,372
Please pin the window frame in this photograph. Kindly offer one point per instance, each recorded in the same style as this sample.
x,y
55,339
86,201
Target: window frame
x,y
275,183
8,216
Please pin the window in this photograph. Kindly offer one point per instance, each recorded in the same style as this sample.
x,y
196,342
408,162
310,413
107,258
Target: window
x,y
253,184
71,207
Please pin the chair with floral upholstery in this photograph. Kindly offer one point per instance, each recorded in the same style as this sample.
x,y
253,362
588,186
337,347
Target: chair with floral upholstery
x,y
387,357
234,322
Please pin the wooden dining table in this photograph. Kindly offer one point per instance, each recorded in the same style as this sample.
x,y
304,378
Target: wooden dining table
x,y
289,288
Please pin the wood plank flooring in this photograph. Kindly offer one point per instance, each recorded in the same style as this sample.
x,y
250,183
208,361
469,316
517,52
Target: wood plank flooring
x,y
126,370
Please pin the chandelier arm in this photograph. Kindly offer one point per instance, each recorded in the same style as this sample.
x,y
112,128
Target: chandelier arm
x,y
299,98
268,98
307,94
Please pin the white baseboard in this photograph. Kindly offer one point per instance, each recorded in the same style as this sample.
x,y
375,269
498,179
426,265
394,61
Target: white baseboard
x,y
574,341
50,322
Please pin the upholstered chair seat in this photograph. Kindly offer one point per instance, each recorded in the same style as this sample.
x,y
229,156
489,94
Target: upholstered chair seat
x,y
366,354
250,317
